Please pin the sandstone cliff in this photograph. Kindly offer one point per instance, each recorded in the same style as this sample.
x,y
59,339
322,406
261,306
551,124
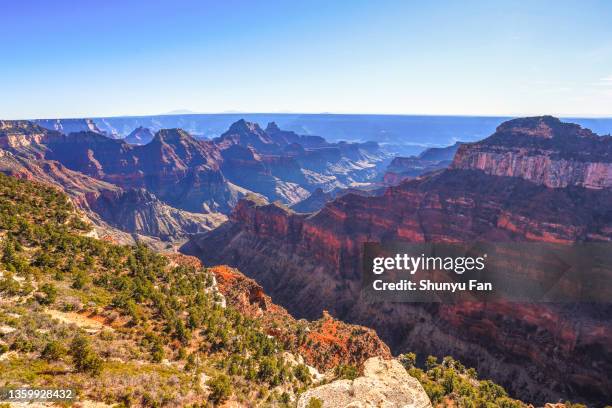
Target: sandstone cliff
x,y
543,150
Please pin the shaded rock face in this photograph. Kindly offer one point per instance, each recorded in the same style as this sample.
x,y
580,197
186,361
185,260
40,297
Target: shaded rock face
x,y
402,168
140,212
317,200
277,178
175,167
543,150
541,352
385,383
139,136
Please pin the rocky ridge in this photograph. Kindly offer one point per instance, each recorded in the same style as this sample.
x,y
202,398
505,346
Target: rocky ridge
x,y
183,176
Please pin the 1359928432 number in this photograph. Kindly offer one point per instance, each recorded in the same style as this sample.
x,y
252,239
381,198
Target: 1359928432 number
x,y
36,394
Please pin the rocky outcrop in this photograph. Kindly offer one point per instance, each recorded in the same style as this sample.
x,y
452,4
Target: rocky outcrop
x,y
326,342
385,383
247,134
310,263
543,150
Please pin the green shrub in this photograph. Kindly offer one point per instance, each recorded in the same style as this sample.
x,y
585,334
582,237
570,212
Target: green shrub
x,y
53,351
220,388
314,403
50,292
408,360
84,357
346,372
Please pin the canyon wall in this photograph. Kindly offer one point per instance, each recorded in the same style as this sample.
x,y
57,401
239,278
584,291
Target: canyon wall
x,y
548,152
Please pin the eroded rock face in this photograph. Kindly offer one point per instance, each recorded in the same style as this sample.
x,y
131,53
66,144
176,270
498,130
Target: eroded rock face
x,y
138,211
543,150
540,353
385,383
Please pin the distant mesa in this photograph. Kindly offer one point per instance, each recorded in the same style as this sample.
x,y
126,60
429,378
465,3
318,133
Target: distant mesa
x,y
543,150
68,126
180,112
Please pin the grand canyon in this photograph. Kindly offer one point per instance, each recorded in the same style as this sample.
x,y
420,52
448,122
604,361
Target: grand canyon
x,y
291,212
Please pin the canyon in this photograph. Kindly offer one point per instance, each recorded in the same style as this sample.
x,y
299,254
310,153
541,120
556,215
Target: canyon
x,y
292,212
169,185
540,352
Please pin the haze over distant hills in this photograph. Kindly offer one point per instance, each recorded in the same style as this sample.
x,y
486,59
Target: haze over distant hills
x,y
402,134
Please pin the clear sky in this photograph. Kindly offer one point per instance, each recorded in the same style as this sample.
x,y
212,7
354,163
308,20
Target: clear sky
x,y
97,58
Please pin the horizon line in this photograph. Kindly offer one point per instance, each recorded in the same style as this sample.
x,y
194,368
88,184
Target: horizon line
x,y
571,116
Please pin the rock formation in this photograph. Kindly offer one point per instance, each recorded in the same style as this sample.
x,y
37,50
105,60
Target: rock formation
x,y
326,342
384,383
543,150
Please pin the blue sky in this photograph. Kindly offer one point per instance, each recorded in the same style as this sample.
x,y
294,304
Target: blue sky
x,y
94,58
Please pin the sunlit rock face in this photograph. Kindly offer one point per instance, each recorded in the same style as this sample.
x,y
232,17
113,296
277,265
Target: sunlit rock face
x,y
543,150
384,383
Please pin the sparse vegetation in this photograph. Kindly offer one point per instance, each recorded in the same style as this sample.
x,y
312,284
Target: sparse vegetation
x,y
153,305
220,389
163,325
449,383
